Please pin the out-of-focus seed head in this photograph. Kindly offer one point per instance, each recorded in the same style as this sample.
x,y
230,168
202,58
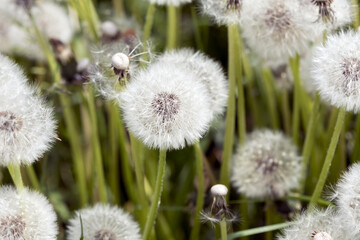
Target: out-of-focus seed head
x,y
109,29
219,190
103,222
120,61
223,12
175,3
267,165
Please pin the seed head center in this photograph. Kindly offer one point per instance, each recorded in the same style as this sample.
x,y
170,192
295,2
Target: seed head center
x,y
321,236
12,226
278,18
9,122
166,105
351,71
104,235
267,164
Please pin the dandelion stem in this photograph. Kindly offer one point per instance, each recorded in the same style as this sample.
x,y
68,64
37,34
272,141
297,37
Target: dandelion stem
x,y
15,173
259,230
33,178
356,151
230,113
119,7
295,68
172,27
355,5
200,191
156,198
328,159
270,98
149,22
197,30
309,141
286,111
223,229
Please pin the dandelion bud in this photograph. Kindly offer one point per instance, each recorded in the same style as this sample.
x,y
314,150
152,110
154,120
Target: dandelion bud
x,y
219,190
267,165
120,61
103,222
27,127
336,70
28,215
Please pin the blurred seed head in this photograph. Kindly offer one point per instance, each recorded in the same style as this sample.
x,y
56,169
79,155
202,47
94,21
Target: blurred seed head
x,y
27,125
28,215
175,3
103,222
222,12
267,165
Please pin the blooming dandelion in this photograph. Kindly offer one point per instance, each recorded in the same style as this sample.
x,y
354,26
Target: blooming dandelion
x,y
336,70
277,29
27,127
209,72
26,216
103,222
316,225
267,165
223,12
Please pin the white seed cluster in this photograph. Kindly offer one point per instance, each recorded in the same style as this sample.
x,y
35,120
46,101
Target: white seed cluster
x,y
170,2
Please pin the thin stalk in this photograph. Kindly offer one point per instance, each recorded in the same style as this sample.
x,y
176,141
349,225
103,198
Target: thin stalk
x,y
156,198
119,7
197,30
258,230
149,22
223,229
328,159
15,173
295,68
33,178
172,27
286,111
270,98
269,218
200,191
230,113
355,156
356,18
309,141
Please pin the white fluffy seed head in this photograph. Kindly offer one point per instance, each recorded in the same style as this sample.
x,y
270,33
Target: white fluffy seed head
x,y
347,197
26,216
175,3
267,165
219,190
27,126
166,106
336,70
109,29
120,61
277,29
316,225
103,222
208,71
222,12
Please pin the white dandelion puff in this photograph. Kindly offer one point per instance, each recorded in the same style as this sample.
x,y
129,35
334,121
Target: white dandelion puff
x,y
102,222
223,12
336,70
175,3
267,165
277,29
27,126
26,216
316,225
166,106
209,72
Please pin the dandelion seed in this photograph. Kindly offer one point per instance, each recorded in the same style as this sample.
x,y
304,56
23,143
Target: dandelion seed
x,y
267,165
336,70
27,127
103,222
25,216
166,106
223,12
209,72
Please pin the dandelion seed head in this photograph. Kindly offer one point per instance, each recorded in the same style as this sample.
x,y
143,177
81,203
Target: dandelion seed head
x,y
336,70
27,125
208,71
267,165
24,216
317,224
277,29
222,12
166,106
175,3
103,222
120,61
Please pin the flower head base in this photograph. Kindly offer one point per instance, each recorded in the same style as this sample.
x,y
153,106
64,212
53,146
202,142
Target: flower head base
x,y
267,165
336,70
103,222
234,4
223,12
325,10
26,216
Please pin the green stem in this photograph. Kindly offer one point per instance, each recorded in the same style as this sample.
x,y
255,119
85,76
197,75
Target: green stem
x,y
328,159
230,113
286,111
15,173
356,22
355,156
258,230
156,198
33,178
295,67
223,229
119,7
270,98
149,22
309,141
172,27
198,37
200,191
